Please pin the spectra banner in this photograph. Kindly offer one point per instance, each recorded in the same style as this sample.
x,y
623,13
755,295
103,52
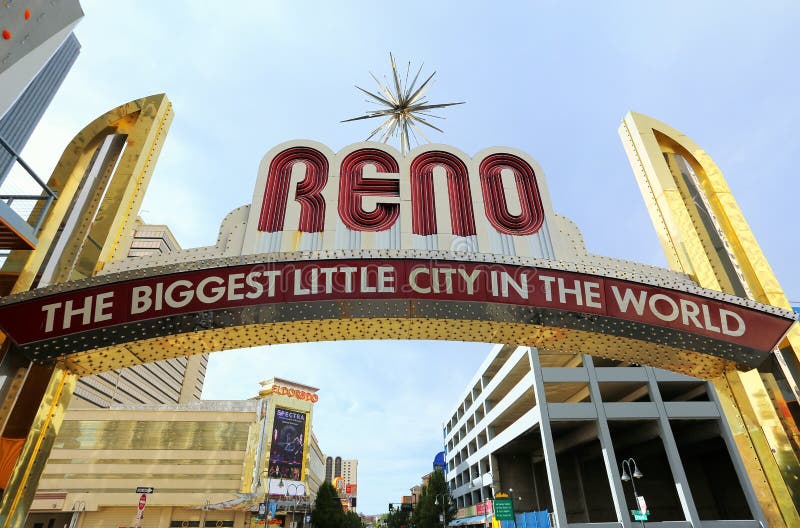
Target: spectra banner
x,y
286,452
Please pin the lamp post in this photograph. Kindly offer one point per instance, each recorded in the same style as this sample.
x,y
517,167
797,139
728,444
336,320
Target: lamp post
x,y
628,475
295,495
444,505
514,504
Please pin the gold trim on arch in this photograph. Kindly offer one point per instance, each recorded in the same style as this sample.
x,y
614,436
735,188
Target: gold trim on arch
x,y
704,234
144,124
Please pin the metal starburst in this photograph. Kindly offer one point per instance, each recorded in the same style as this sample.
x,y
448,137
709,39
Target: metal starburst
x,y
403,107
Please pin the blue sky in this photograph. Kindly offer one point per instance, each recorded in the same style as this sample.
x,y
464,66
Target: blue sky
x,y
550,78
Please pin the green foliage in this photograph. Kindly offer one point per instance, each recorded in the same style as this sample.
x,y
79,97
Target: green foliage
x,y
427,511
352,520
398,519
328,511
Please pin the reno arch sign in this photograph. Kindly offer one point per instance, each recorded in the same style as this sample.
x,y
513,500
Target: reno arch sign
x,y
369,244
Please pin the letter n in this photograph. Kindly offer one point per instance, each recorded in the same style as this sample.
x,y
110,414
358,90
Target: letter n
x,y
423,203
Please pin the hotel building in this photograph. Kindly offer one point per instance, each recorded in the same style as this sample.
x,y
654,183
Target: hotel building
x,y
205,460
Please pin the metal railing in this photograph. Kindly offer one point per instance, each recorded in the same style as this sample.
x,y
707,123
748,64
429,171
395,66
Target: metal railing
x,y
48,197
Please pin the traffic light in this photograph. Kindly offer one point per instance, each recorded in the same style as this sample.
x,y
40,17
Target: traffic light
x,y
391,507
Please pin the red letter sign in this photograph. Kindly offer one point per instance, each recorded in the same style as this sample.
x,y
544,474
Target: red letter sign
x,y
423,203
276,193
530,219
354,187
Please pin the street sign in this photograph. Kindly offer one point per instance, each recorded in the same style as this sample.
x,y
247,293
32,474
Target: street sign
x,y
639,515
504,509
641,503
145,490
140,510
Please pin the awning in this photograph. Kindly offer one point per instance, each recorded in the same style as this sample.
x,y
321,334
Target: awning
x,y
476,519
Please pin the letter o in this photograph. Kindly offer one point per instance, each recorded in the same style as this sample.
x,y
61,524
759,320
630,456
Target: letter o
x,y
530,220
664,317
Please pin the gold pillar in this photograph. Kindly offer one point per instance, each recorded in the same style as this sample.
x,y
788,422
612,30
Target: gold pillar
x,y
43,431
762,443
100,182
704,234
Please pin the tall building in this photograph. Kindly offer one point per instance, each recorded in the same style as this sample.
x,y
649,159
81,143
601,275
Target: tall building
x,y
350,471
339,467
343,474
177,380
32,32
17,125
37,50
210,463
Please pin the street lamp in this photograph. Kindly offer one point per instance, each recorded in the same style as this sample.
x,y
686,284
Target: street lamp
x,y
444,505
627,464
295,495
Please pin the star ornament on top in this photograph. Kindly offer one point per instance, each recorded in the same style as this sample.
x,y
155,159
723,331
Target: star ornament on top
x,y
404,107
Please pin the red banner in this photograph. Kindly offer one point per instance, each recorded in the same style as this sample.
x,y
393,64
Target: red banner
x,y
92,308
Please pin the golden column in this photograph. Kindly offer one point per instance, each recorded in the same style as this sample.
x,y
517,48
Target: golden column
x,y
100,182
704,234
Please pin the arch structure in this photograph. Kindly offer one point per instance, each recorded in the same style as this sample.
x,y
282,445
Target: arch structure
x,y
366,243
336,271
121,319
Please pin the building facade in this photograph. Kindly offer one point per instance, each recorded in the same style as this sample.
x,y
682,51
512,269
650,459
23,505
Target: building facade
x,y
34,30
343,474
551,431
17,125
339,467
210,463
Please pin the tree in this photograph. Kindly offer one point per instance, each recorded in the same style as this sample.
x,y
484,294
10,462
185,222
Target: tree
x,y
427,511
398,519
352,520
328,512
